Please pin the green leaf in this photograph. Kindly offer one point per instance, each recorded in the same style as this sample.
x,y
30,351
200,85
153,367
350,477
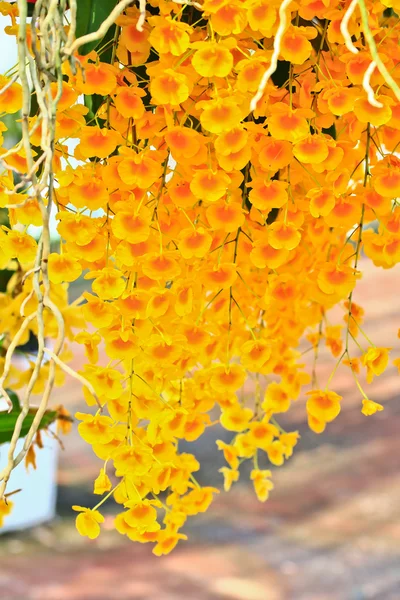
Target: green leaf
x,y
90,15
9,419
15,400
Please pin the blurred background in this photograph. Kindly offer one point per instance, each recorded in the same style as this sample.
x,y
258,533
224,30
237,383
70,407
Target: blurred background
x,y
330,530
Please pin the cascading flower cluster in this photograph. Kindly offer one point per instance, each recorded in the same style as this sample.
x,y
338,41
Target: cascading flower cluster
x,y
216,238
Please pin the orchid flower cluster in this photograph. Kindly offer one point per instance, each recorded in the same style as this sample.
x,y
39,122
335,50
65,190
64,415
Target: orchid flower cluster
x,y
235,160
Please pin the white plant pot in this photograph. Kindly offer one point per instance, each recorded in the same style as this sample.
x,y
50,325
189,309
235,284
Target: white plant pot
x,y
36,502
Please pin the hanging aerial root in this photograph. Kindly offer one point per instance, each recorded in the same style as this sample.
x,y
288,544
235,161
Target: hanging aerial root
x,y
275,55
